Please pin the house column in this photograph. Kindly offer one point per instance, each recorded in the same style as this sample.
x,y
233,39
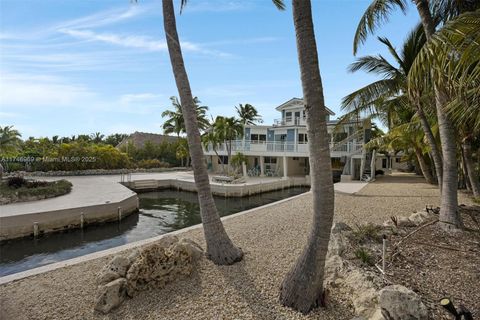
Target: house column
x,y
262,167
285,165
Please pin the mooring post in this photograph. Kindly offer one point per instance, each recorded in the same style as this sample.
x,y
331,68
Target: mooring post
x,y
82,219
35,229
384,249
119,213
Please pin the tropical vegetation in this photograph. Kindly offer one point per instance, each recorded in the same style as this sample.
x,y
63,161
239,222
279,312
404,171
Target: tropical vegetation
x,y
437,78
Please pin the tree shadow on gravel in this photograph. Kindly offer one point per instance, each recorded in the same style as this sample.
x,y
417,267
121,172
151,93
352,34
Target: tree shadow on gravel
x,y
238,277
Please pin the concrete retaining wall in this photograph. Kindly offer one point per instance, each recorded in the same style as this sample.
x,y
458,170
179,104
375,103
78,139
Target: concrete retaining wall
x,y
16,226
224,190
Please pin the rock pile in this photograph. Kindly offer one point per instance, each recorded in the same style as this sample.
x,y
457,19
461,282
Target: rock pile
x,y
365,289
154,265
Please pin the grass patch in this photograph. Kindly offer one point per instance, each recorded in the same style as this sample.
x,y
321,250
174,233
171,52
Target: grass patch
x,y
365,256
366,233
18,189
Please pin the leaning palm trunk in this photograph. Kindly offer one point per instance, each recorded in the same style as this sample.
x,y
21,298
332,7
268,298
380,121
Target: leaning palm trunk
x,y
220,248
434,151
450,219
472,177
423,165
302,288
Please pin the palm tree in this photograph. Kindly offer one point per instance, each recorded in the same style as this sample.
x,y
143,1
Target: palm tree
x,y
228,129
248,114
377,13
9,139
388,98
210,139
302,288
460,76
97,137
220,248
176,124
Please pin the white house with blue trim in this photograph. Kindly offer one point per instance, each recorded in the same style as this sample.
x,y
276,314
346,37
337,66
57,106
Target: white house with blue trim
x,y
281,149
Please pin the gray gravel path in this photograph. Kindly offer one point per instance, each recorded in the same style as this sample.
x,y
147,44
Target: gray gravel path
x,y
271,237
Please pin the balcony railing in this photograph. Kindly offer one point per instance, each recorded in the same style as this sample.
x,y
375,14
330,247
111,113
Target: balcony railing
x,y
290,121
346,147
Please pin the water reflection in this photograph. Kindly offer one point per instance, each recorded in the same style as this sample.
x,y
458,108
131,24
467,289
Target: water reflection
x,y
160,213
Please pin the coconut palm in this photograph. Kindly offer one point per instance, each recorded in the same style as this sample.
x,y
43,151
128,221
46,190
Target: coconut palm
x,y
388,98
452,57
302,288
211,139
378,12
9,139
220,248
175,122
97,137
228,129
248,114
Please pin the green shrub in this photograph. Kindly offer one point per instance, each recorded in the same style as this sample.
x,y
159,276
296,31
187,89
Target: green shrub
x,y
367,232
365,256
152,163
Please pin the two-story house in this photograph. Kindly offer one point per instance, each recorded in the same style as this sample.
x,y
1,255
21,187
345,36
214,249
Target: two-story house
x,y
281,149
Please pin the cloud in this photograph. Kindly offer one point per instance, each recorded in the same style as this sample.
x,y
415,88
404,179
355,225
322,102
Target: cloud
x,y
103,18
27,90
139,98
217,6
138,42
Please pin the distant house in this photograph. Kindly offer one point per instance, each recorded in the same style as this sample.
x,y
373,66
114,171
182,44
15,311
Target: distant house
x,y
140,138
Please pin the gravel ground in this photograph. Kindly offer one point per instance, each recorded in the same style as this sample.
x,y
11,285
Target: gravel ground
x,y
271,238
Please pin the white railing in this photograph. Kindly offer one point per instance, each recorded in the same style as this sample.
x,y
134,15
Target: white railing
x,y
345,147
289,121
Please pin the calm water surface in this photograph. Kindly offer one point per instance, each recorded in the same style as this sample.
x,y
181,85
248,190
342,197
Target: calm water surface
x,y
160,212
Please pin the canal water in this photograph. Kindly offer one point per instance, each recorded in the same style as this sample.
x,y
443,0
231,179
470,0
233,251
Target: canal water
x,y
160,212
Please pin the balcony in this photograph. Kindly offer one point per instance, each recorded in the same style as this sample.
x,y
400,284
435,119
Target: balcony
x,y
249,147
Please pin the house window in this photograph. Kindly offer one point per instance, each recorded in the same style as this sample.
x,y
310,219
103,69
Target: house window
x,y
302,138
288,116
270,160
397,160
384,163
295,158
258,138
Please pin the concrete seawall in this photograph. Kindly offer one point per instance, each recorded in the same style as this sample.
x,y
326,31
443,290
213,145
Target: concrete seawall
x,y
16,226
224,190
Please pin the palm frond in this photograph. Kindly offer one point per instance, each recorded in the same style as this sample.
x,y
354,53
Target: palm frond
x,y
279,4
377,13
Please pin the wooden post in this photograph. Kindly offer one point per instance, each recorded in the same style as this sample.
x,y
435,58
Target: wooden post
x,y
36,229
82,220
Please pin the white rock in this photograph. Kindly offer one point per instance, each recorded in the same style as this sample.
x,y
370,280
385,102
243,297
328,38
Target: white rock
x,y
399,303
404,222
115,269
417,218
110,295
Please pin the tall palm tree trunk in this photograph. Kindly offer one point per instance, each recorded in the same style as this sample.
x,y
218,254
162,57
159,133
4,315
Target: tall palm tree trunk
x,y
434,151
472,177
220,248
450,219
302,288
423,165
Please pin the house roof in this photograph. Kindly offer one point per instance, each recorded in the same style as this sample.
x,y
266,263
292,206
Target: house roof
x,y
140,138
295,101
